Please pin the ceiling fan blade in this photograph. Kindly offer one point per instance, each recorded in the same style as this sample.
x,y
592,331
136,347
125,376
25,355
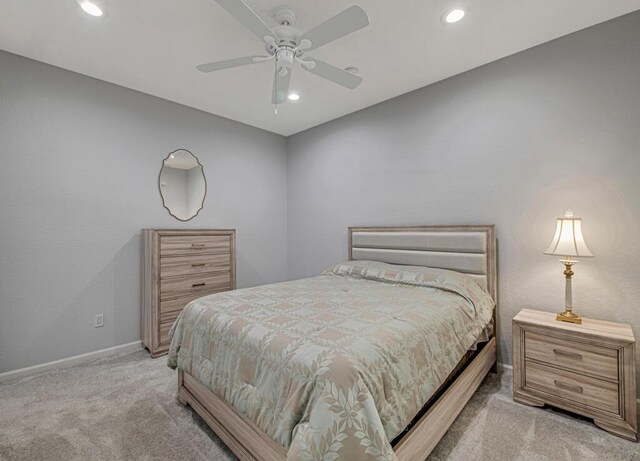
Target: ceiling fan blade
x,y
228,63
334,74
342,24
247,17
281,87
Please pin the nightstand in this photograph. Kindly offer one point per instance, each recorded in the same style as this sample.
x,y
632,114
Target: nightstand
x,y
588,369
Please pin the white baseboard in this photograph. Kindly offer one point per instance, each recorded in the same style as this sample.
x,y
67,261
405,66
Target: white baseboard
x,y
70,361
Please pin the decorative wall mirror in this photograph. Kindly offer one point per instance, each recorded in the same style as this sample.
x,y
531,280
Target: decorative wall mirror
x,y
182,185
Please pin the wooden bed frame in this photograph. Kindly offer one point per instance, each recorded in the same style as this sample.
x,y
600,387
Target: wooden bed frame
x,y
470,249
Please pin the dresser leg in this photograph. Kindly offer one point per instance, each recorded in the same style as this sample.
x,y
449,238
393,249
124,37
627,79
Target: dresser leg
x,y
621,429
527,400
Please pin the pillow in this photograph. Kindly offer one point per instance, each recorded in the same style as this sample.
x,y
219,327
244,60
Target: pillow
x,y
419,276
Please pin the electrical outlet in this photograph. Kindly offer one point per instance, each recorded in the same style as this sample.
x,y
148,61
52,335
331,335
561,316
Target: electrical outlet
x,y
99,321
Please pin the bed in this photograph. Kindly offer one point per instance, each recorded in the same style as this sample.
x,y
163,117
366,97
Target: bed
x,y
373,359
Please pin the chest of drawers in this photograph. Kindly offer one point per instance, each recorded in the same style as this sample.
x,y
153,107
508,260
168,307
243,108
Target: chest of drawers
x,y
588,369
178,267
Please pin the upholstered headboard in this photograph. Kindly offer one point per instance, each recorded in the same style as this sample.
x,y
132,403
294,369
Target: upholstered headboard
x,y
467,249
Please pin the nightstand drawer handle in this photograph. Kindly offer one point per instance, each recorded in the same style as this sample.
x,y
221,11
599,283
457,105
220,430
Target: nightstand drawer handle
x,y
567,354
195,285
568,387
197,264
198,245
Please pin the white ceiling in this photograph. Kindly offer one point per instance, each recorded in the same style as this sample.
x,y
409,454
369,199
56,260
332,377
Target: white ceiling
x,y
154,45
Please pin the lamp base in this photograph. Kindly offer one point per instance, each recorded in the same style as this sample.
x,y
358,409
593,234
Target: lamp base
x,y
568,316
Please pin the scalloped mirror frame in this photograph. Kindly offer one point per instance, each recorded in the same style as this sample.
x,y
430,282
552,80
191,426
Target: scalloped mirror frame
x,y
204,196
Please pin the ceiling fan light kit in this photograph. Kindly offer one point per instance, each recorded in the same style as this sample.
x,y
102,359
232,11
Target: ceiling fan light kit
x,y
287,46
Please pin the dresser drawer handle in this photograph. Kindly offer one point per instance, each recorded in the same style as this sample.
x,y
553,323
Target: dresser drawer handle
x,y
198,245
195,285
197,264
568,387
567,354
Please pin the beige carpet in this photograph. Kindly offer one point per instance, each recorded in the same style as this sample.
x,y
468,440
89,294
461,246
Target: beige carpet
x,y
123,408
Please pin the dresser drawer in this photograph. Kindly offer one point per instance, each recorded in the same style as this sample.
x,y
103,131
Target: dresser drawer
x,y
193,265
571,355
164,333
189,245
179,287
170,309
592,392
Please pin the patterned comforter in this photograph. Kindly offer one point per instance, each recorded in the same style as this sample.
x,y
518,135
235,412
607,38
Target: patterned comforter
x,y
334,366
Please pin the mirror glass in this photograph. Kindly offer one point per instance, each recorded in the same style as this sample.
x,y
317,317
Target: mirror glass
x,y
182,185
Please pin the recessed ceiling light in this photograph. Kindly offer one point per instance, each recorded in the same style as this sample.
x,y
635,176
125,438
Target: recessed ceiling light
x,y
453,16
91,8
294,96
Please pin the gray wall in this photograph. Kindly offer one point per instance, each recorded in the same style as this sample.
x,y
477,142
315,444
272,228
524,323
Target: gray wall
x,y
79,171
513,143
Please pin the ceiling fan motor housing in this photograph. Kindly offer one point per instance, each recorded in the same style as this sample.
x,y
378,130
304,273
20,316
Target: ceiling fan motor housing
x,y
287,36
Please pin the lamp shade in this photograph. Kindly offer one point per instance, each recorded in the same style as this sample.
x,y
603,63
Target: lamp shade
x,y
568,240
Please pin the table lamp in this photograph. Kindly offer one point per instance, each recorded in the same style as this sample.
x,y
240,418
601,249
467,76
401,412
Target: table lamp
x,y
568,242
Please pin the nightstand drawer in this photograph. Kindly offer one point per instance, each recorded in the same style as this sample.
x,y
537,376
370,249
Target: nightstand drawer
x,y
571,355
592,392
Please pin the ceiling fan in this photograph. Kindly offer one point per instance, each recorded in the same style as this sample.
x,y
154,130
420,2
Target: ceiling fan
x,y
286,45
